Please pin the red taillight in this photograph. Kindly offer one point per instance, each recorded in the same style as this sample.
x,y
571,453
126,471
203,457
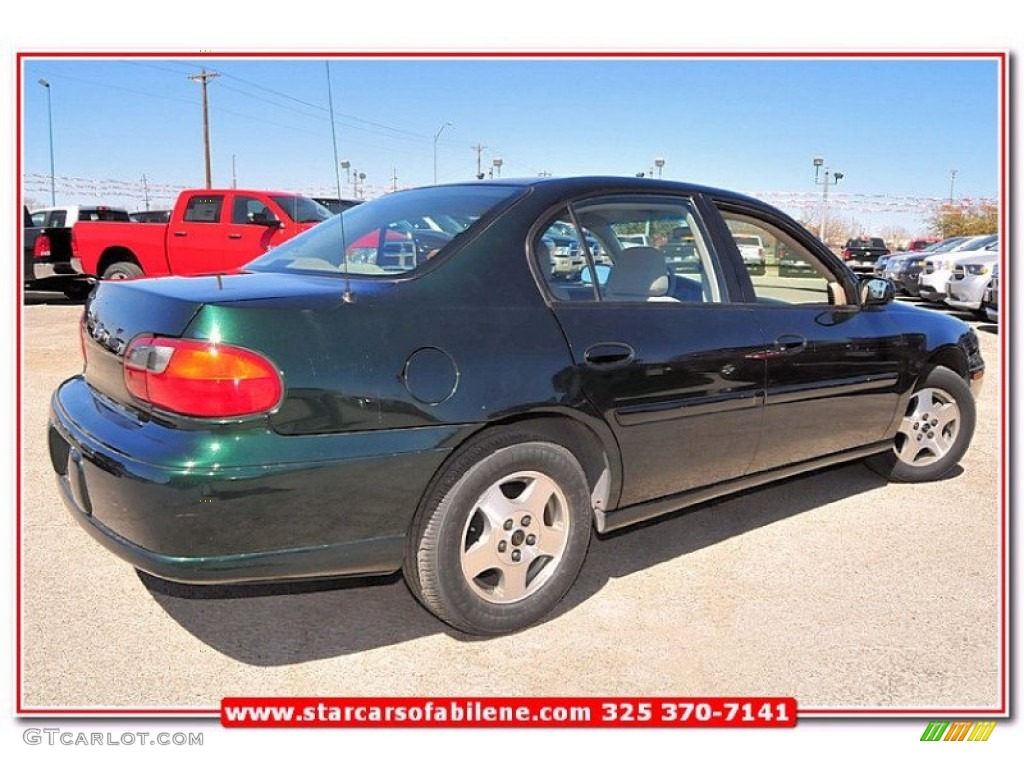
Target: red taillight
x,y
847,253
200,378
41,249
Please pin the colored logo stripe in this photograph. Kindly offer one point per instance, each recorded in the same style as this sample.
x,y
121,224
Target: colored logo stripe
x,y
982,731
957,731
960,730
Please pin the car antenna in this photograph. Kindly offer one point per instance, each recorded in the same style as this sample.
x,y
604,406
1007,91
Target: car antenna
x,y
347,296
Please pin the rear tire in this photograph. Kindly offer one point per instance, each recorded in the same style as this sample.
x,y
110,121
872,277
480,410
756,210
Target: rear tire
x,y
935,432
502,536
122,270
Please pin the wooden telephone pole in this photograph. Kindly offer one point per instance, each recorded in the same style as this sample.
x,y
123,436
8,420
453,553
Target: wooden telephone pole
x,y
203,78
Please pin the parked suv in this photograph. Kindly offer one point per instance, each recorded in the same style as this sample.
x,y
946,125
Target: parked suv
x,y
990,299
969,279
752,251
939,266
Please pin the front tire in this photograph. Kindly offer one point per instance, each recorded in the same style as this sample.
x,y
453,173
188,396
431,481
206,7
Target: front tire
x,y
502,537
934,433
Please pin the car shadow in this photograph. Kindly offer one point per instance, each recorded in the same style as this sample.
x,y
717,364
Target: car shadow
x,y
988,327
31,298
281,624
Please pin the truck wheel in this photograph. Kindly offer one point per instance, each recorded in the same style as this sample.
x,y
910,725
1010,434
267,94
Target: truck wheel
x,y
122,270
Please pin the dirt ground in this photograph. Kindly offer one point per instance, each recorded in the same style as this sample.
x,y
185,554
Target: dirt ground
x,y
834,587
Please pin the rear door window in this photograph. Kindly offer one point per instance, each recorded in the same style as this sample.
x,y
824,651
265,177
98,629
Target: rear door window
x,y
204,209
636,248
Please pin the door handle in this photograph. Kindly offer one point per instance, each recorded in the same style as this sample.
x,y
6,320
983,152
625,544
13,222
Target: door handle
x,y
786,344
609,354
234,236
180,234
790,343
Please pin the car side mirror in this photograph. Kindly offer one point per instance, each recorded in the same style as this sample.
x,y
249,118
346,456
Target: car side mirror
x,y
876,292
265,220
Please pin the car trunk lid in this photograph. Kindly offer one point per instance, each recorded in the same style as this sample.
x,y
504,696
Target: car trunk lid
x,y
121,310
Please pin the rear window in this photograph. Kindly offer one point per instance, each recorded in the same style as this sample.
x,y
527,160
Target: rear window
x,y
389,236
102,214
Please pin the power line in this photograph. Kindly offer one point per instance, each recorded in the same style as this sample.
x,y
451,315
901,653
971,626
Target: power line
x,y
322,108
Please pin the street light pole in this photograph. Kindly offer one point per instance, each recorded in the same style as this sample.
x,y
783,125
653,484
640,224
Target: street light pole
x,y
436,137
819,162
952,179
49,116
659,162
478,148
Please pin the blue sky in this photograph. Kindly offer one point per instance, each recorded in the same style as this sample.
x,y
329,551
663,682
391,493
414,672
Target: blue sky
x,y
894,127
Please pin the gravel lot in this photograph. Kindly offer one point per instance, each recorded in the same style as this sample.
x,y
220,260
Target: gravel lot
x,y
834,587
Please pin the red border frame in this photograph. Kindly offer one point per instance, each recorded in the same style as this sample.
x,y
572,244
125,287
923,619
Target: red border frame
x,y
1003,87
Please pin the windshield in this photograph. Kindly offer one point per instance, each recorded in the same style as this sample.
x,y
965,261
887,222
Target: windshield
x,y
976,243
302,210
391,235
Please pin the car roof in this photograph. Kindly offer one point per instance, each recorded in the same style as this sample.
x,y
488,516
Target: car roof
x,y
552,189
587,184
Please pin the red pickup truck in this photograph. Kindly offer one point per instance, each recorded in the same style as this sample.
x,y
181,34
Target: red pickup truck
x,y
211,230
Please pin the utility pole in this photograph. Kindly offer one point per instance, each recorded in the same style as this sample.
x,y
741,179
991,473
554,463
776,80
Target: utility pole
x,y
203,79
234,177
952,179
478,148
394,179
145,191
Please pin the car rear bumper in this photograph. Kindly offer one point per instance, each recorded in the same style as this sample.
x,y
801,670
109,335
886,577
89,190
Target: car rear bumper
x,y
41,269
276,508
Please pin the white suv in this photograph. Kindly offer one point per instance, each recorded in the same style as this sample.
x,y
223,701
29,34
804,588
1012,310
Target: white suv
x,y
969,279
939,267
752,250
